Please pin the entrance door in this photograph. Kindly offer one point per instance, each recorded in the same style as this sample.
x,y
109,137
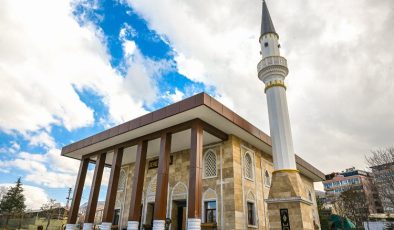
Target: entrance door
x,y
150,209
115,220
180,215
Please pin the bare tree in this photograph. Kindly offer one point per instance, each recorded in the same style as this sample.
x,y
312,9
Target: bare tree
x,y
382,163
48,210
353,204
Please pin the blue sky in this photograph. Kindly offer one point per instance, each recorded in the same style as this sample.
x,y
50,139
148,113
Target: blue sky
x,y
109,18
72,68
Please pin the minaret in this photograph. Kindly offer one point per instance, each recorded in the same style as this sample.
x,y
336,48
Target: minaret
x,y
288,206
272,71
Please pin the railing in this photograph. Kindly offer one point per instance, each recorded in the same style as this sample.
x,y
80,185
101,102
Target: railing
x,y
269,61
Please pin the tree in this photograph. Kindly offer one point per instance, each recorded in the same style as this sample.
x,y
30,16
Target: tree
x,y
382,163
353,204
322,213
13,202
48,210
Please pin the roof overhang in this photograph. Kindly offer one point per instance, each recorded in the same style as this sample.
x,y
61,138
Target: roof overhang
x,y
218,122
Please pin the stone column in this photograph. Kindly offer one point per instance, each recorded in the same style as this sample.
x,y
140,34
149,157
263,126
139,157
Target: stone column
x,y
195,178
137,187
94,192
108,213
73,213
162,182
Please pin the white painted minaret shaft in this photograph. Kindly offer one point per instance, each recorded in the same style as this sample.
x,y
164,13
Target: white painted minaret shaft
x,y
272,70
282,142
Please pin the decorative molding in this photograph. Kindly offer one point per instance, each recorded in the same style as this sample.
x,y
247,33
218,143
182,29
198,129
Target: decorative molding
x,y
105,226
87,226
132,225
288,199
159,224
193,224
274,83
286,170
70,226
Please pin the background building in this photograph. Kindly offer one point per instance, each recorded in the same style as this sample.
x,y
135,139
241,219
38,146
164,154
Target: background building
x,y
354,179
384,181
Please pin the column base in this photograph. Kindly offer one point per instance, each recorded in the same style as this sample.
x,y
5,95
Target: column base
x,y
87,226
193,224
132,225
159,224
287,203
70,226
106,226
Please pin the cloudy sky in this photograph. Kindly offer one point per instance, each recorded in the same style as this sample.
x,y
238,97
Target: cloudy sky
x,y
71,68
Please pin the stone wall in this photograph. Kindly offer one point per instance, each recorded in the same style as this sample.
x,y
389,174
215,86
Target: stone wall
x,y
229,187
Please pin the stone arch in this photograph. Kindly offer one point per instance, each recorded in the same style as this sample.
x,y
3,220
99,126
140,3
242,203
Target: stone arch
x,y
250,196
251,209
209,195
179,192
151,190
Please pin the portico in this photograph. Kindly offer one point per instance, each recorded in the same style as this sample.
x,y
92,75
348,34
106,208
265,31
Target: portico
x,y
165,155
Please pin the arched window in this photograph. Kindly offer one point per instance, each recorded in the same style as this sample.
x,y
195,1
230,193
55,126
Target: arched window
x,y
248,166
251,209
209,206
210,164
122,180
267,178
310,195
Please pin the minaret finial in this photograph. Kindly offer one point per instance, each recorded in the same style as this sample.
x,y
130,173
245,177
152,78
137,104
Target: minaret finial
x,y
266,23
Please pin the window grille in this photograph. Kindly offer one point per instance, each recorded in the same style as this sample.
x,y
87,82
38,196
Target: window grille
x,y
122,180
248,167
210,164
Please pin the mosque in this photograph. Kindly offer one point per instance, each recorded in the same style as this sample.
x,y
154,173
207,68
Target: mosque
x,y
196,164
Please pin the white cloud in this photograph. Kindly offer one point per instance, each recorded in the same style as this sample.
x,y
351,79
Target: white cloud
x,y
174,97
50,169
42,139
35,196
46,57
340,59
13,148
127,32
192,68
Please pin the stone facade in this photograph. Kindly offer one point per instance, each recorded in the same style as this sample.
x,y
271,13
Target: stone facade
x,y
232,187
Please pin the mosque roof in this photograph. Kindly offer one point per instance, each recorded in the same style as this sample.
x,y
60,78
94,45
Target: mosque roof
x,y
200,106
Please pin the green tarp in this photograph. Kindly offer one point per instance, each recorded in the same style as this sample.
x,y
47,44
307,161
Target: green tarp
x,y
339,222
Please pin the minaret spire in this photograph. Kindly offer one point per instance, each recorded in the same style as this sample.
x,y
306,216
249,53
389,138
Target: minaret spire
x,y
266,22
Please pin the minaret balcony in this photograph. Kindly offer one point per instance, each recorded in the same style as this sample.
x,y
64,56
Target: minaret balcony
x,y
272,64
